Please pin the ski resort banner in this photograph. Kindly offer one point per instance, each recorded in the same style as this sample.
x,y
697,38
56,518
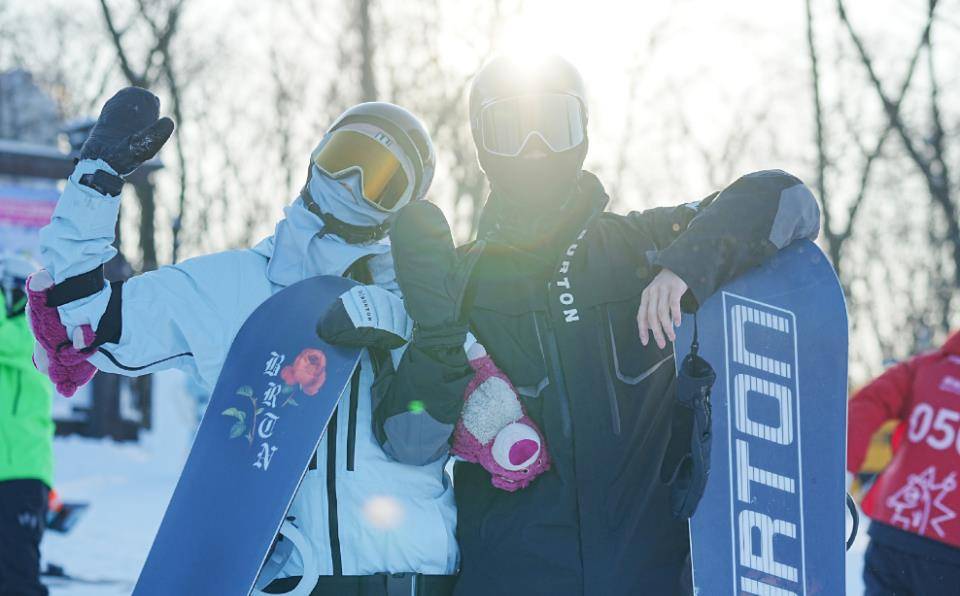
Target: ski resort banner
x,y
23,211
772,518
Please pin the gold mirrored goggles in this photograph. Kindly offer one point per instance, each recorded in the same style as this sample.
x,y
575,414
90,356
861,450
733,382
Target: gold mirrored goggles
x,y
382,177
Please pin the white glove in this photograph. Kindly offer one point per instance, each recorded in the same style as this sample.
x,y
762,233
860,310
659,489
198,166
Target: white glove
x,y
366,316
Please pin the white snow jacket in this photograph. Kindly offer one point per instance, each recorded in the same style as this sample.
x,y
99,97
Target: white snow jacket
x,y
391,517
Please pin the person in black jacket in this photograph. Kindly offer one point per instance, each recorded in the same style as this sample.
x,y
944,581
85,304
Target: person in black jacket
x,y
578,307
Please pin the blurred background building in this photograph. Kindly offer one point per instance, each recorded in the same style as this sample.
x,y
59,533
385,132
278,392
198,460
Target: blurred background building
x,y
37,152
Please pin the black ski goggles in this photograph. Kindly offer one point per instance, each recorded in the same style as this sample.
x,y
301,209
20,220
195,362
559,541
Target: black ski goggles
x,y
507,125
385,172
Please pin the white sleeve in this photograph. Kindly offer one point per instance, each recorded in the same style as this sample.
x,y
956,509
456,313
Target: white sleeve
x,y
155,308
166,321
78,239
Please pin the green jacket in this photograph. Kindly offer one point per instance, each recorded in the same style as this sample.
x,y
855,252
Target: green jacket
x,y
26,426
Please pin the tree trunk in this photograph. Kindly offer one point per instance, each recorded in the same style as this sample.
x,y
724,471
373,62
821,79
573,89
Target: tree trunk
x,y
368,84
148,207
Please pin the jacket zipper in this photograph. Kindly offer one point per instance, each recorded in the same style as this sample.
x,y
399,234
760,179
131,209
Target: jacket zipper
x,y
332,517
557,367
550,343
554,351
352,424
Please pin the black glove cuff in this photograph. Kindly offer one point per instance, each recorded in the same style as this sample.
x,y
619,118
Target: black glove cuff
x,y
103,182
442,336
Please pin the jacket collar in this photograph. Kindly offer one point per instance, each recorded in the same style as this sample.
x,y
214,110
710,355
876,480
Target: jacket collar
x,y
299,249
542,233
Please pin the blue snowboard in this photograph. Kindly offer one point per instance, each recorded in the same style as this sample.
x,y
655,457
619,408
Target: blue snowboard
x,y
772,518
276,392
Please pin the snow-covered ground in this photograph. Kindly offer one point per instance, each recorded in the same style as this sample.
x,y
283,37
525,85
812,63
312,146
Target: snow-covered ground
x,y
128,487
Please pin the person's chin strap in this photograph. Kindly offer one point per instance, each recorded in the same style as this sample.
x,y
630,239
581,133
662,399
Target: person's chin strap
x,y
353,234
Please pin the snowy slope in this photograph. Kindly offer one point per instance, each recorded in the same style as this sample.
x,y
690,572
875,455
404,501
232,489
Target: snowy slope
x,y
128,487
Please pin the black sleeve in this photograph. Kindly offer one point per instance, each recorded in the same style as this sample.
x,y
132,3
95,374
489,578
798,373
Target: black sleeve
x,y
733,231
416,405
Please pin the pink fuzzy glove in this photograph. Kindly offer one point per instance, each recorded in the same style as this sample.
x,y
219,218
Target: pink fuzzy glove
x,y
57,356
495,431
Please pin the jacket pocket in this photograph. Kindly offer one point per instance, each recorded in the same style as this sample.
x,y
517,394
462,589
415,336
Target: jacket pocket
x,y
607,354
630,361
635,375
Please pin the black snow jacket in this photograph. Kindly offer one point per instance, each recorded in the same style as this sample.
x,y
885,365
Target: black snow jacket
x,y
557,313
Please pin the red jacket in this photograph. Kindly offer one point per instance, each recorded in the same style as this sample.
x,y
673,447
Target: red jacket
x,y
917,492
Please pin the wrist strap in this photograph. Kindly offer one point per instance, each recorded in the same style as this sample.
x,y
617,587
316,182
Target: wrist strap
x,y
695,344
103,182
444,336
76,287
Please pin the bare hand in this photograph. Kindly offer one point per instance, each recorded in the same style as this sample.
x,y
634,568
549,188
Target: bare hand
x,y
659,310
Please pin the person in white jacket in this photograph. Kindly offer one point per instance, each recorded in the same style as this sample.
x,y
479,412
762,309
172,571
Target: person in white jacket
x,y
374,525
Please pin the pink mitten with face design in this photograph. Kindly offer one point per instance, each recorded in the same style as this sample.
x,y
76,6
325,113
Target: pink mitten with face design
x,y
495,431
59,357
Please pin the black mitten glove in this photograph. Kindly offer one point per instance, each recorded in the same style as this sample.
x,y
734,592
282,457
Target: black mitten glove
x,y
128,132
432,277
686,464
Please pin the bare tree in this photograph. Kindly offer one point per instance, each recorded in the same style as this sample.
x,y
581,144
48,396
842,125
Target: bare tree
x,y
929,155
368,84
836,235
162,20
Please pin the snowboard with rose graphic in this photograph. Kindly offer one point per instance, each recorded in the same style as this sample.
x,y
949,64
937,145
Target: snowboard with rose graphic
x,y
276,392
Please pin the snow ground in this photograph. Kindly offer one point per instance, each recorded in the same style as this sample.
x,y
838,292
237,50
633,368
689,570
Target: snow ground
x,y
128,487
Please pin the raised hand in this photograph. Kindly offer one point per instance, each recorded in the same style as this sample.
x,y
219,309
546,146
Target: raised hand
x,y
129,131
432,276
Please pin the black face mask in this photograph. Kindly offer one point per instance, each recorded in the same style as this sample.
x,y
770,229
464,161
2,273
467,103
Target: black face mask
x,y
532,187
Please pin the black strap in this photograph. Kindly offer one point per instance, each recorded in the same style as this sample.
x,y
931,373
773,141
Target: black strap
x,y
359,271
695,344
353,234
852,507
381,584
332,517
76,287
400,584
110,326
103,182
352,424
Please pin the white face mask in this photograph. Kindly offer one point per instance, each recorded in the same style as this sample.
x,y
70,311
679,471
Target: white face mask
x,y
344,200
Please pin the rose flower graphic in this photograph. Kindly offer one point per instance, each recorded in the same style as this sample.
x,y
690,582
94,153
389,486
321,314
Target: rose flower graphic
x,y
309,370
